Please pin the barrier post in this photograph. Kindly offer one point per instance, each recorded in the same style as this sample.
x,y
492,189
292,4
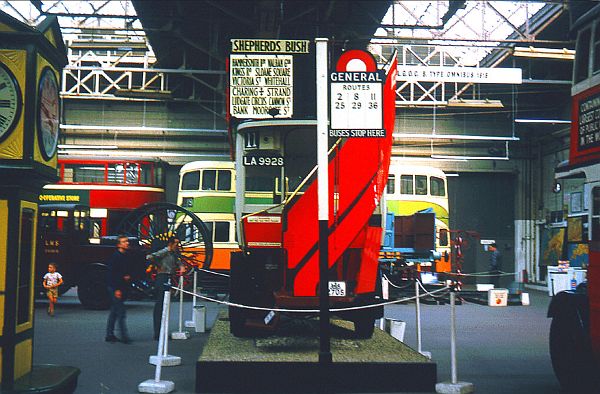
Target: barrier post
x,y
418,314
180,334
192,323
454,386
162,356
156,385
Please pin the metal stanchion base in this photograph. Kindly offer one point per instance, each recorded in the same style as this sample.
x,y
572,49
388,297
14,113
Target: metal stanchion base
x,y
152,386
190,324
167,361
180,335
454,388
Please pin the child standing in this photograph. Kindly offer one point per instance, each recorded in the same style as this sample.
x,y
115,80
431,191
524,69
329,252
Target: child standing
x,y
51,282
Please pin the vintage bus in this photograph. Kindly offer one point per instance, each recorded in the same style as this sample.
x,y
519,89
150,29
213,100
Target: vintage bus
x,y
411,189
111,187
207,188
575,328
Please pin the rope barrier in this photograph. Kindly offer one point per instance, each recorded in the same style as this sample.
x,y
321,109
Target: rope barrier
x,y
426,292
213,272
395,285
481,274
259,308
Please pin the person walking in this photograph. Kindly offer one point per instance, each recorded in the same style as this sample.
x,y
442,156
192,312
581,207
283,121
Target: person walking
x,y
52,280
495,264
117,280
167,262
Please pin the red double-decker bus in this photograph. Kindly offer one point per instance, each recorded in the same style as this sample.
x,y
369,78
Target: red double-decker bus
x,y
111,187
575,329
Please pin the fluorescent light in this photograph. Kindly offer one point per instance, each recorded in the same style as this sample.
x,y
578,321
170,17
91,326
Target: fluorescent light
x,y
61,146
465,158
548,53
454,137
451,174
551,121
485,103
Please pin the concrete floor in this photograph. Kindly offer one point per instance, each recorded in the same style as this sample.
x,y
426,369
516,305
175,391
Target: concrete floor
x,y
500,350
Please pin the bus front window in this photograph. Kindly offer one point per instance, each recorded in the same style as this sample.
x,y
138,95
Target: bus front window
x,y
260,184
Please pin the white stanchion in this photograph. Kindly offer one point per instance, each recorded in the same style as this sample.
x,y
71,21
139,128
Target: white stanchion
x,y
418,318
180,334
157,385
192,323
162,356
454,386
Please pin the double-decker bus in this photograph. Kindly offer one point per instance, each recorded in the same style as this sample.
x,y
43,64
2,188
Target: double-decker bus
x,y
575,328
207,188
111,187
411,189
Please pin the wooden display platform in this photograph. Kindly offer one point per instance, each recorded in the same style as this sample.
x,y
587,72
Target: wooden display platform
x,y
288,362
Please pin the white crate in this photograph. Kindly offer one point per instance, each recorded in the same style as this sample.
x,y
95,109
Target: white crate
x,y
497,297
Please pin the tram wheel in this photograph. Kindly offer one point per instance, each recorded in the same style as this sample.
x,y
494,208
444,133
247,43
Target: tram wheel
x,y
153,224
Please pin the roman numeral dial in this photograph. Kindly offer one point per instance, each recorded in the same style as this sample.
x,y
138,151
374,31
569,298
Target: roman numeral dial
x,y
10,101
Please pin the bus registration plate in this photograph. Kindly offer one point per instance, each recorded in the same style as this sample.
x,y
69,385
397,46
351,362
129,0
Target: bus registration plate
x,y
337,289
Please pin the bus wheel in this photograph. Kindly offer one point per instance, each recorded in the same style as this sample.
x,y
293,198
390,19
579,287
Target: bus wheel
x,y
153,224
570,351
92,291
364,327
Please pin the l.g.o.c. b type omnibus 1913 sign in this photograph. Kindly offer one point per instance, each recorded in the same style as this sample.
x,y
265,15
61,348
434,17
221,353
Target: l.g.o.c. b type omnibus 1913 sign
x,y
356,105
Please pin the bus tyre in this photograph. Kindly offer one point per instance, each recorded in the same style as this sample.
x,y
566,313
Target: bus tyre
x,y
570,351
238,293
364,327
92,291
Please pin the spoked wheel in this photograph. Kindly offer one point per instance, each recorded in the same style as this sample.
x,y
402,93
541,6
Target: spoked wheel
x,y
153,225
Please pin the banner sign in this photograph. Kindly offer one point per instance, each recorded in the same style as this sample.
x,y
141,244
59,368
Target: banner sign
x,y
261,86
269,46
57,196
459,74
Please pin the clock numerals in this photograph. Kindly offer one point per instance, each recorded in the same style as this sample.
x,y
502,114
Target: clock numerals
x,y
10,101
48,113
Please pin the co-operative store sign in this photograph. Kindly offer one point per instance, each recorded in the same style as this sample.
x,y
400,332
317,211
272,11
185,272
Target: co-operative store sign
x,y
261,77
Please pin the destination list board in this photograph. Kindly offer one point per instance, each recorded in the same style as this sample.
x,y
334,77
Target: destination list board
x,y
589,122
261,86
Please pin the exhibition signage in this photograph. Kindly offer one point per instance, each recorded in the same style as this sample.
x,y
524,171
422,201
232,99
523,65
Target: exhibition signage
x,y
588,126
261,86
459,74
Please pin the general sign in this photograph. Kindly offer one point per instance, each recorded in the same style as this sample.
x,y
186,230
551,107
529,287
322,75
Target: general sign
x,y
356,104
261,86
459,74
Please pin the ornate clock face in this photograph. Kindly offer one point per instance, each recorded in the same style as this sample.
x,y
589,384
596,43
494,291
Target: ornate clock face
x,y
48,113
10,101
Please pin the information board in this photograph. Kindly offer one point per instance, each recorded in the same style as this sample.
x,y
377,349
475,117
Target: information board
x,y
261,86
589,122
356,105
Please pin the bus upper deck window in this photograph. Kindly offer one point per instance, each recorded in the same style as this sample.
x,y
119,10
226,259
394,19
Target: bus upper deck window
x,y
190,181
224,180
391,184
421,185
87,173
582,55
209,180
406,184
146,174
132,174
436,186
67,174
116,173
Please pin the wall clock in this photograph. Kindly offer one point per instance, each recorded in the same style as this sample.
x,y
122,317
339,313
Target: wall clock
x,y
48,113
10,102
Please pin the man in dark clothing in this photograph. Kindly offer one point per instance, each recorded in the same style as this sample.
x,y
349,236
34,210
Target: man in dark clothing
x,y
495,264
167,262
116,281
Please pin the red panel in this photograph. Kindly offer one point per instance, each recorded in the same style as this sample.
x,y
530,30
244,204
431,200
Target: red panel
x,y
262,231
123,199
577,155
357,174
367,276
